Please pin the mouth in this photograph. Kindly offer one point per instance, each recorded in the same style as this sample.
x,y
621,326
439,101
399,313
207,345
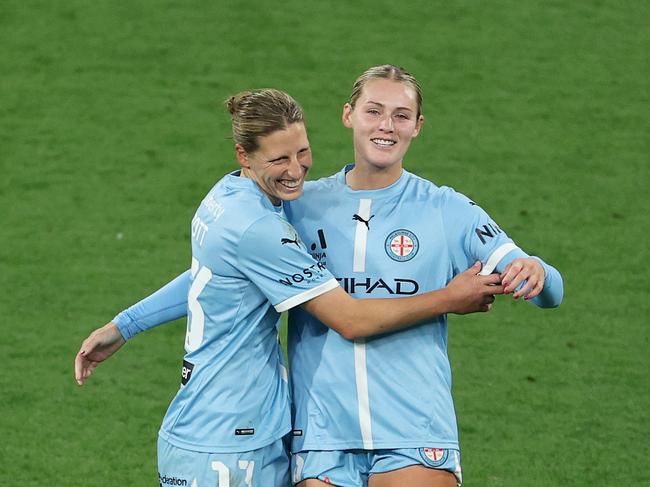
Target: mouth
x,y
290,185
383,143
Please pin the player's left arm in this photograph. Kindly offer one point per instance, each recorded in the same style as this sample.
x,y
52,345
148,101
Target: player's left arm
x,y
531,278
473,235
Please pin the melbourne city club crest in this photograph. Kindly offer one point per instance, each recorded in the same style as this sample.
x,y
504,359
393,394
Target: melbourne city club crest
x,y
434,457
401,245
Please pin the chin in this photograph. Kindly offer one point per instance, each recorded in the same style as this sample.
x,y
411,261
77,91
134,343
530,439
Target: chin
x,y
385,163
291,196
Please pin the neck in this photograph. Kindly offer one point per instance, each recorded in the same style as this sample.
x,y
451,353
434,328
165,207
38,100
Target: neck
x,y
246,173
364,176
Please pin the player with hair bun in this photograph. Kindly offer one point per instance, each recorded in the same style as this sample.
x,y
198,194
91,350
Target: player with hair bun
x,y
226,424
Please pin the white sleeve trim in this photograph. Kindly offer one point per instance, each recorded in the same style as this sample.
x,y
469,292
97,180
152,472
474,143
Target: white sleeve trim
x,y
496,257
298,299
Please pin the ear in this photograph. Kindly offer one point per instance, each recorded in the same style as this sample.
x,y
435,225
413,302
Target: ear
x,y
347,114
242,156
418,126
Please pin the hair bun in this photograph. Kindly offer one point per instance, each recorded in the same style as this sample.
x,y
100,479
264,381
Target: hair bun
x,y
234,102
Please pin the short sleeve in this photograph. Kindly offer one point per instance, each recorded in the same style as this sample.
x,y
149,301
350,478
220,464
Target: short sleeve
x,y
274,258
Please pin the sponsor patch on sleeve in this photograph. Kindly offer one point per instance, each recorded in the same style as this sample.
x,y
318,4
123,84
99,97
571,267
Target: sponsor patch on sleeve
x,y
186,372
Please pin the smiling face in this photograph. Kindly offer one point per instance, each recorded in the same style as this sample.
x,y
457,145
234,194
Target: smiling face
x,y
280,163
384,120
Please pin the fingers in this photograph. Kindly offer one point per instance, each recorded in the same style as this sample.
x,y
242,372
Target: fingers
x,y
78,368
527,273
475,269
527,286
513,278
532,288
485,307
495,289
81,361
490,279
83,368
536,290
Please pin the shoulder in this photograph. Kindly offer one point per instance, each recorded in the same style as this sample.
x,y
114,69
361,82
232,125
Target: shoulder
x,y
446,198
315,194
325,184
269,228
417,187
235,204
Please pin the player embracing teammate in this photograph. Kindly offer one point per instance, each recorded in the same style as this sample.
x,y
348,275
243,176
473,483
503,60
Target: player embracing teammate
x,y
373,411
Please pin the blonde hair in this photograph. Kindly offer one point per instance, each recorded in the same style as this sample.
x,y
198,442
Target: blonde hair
x,y
386,71
257,113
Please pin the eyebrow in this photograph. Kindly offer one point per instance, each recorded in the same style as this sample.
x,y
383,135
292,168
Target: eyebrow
x,y
286,156
382,105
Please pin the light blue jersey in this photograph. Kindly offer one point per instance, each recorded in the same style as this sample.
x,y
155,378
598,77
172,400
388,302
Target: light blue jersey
x,y
248,265
388,392
392,391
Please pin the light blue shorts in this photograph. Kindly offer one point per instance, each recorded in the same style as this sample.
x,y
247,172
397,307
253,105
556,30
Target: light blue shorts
x,y
352,468
265,467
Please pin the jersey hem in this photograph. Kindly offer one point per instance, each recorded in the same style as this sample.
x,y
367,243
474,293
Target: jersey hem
x,y
223,448
377,445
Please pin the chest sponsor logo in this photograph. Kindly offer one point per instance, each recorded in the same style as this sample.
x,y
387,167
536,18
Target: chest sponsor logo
x,y
356,285
402,245
435,457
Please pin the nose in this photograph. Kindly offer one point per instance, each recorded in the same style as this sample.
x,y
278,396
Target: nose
x,y
294,169
386,123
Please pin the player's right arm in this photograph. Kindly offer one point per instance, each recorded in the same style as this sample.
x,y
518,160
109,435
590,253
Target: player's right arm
x,y
167,304
353,318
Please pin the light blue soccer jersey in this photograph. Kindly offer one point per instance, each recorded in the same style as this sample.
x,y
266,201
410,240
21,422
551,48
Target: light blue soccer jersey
x,y
248,265
391,391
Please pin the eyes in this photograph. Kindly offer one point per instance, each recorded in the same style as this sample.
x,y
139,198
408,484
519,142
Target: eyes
x,y
399,115
302,154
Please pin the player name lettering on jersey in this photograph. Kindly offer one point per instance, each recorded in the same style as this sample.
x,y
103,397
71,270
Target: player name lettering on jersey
x,y
369,285
199,230
213,206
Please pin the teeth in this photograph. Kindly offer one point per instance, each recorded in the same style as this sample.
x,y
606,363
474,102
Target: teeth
x,y
291,184
383,142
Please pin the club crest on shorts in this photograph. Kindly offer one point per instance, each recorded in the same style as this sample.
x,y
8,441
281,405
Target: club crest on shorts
x,y
434,457
401,245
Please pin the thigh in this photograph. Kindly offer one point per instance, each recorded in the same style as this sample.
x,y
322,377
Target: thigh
x,y
342,468
413,476
265,467
416,467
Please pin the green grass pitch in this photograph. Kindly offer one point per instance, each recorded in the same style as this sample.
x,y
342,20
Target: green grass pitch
x,y
112,130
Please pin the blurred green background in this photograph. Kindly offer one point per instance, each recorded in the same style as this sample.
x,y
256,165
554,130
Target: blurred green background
x,y
112,129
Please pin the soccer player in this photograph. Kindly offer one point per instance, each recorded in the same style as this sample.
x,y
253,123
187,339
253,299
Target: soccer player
x,y
227,422
379,411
